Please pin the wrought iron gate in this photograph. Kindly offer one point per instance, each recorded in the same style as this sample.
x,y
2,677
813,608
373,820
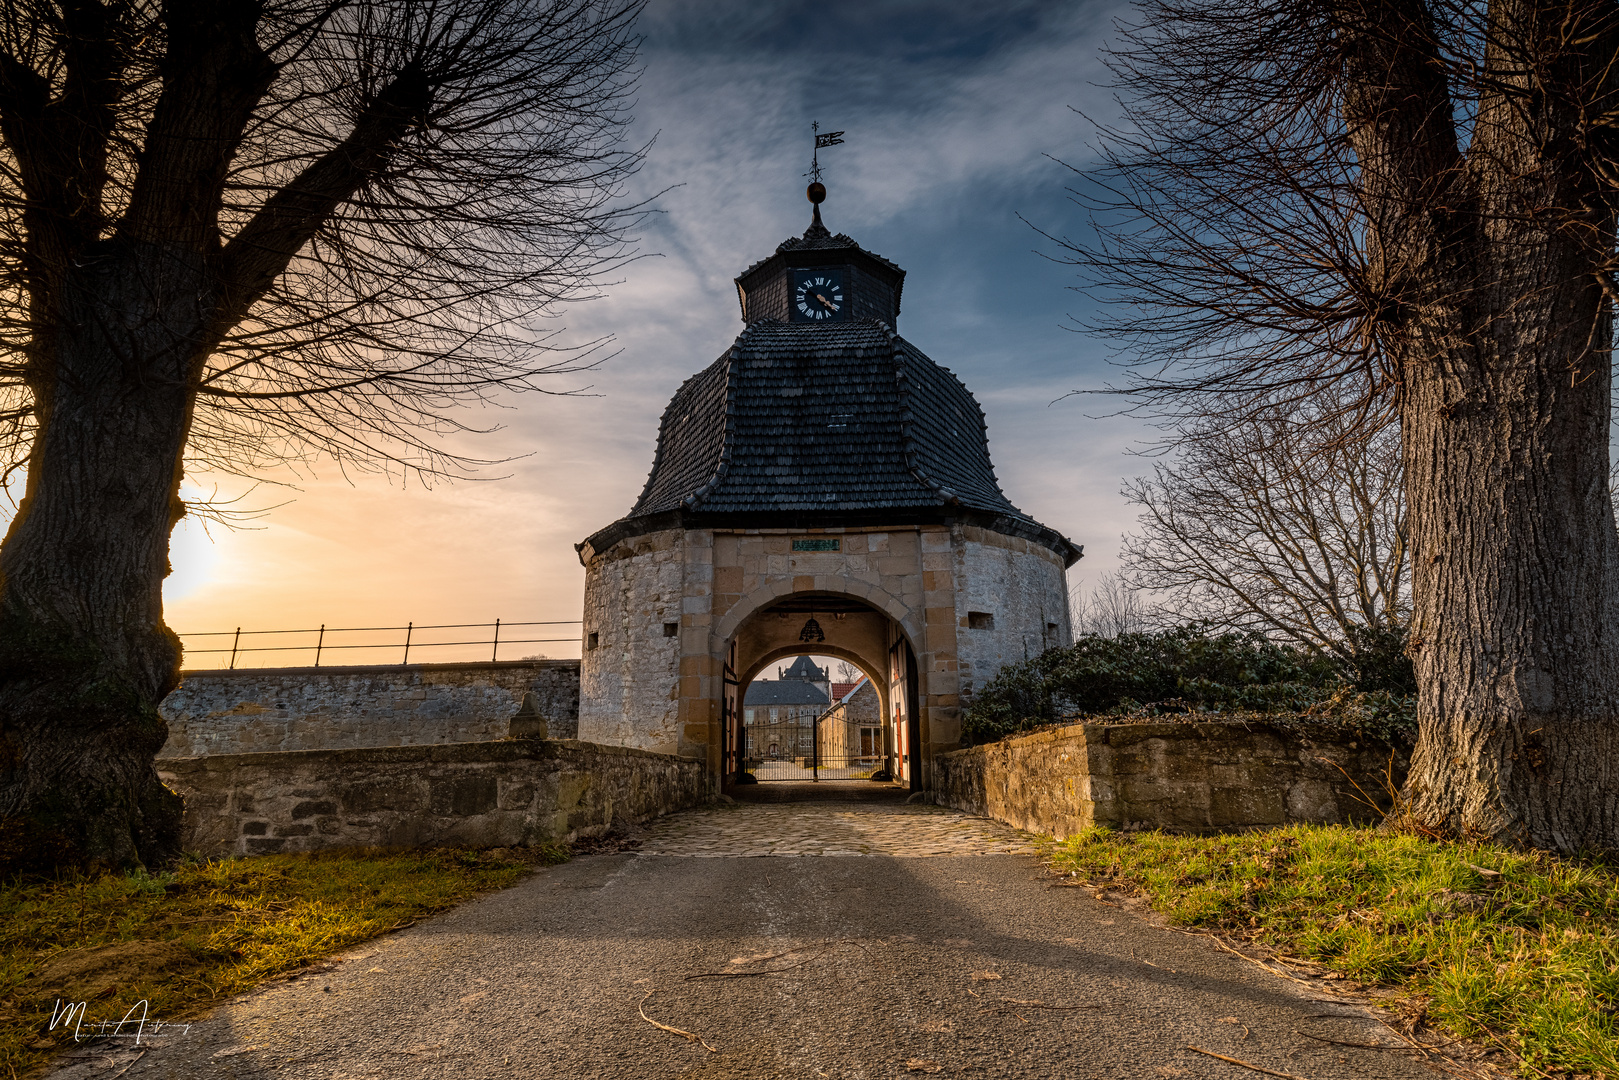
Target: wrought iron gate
x,y
808,747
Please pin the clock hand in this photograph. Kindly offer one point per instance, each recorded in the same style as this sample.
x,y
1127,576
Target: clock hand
x,y
825,302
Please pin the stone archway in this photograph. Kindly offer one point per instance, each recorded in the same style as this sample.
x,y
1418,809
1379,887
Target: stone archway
x,y
664,610
856,630
773,592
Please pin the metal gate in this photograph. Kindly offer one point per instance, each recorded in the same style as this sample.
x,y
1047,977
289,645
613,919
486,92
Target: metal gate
x,y
847,749
808,746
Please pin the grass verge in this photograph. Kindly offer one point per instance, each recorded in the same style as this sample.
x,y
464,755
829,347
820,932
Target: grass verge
x,y
210,929
1513,949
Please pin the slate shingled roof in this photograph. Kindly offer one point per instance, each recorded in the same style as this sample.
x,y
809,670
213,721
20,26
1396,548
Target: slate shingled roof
x,y
784,692
803,668
823,425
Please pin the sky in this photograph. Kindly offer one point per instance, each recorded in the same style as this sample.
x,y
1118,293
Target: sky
x,y
957,119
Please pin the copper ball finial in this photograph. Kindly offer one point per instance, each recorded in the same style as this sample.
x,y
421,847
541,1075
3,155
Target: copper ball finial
x,y
817,193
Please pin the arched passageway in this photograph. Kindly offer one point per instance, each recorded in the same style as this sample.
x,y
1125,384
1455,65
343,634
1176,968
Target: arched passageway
x,y
774,742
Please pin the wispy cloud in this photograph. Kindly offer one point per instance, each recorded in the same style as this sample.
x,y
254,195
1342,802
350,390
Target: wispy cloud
x,y
951,110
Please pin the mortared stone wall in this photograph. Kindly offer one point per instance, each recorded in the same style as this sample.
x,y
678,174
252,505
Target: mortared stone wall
x,y
253,710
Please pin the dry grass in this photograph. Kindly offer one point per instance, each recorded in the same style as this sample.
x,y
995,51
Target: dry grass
x,y
210,929
1512,949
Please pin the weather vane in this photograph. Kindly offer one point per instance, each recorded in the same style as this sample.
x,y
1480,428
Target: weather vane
x,y
823,139
817,190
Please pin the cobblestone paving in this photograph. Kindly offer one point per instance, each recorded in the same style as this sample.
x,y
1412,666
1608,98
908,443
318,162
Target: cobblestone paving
x,y
798,829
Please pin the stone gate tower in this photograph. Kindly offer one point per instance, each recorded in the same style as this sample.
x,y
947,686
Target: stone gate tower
x,y
825,488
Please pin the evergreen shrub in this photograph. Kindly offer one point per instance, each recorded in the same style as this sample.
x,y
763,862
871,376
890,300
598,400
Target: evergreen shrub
x,y
1187,670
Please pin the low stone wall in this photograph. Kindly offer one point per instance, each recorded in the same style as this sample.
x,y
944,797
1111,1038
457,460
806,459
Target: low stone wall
x,y
328,708
490,794
1177,777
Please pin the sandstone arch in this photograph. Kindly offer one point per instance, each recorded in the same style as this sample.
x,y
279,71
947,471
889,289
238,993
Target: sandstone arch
x,y
770,592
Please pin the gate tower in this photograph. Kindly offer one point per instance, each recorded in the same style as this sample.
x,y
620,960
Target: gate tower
x,y
823,487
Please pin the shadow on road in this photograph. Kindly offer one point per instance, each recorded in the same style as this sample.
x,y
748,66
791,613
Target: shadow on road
x,y
787,791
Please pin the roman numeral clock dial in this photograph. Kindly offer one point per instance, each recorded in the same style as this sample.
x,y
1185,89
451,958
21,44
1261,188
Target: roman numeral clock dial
x,y
819,296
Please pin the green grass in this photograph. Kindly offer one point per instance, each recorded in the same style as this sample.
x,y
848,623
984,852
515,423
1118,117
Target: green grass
x,y
1528,961
208,930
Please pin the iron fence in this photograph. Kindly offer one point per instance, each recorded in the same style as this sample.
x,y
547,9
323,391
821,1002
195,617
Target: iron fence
x,y
411,640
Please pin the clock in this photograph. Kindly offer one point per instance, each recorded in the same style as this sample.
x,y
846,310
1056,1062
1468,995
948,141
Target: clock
x,y
818,296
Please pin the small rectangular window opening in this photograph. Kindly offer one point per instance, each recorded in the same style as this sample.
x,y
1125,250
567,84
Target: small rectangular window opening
x,y
592,639
670,629
980,620
818,544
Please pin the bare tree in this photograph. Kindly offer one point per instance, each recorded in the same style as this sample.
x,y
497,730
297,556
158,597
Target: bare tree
x,y
1108,609
1276,524
235,232
847,672
1412,201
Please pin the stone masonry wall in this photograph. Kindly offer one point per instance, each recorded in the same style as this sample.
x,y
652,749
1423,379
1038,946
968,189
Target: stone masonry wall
x,y
489,794
630,668
1178,777
1023,589
329,708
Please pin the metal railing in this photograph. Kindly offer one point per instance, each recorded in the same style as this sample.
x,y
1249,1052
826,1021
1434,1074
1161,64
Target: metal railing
x,y
410,630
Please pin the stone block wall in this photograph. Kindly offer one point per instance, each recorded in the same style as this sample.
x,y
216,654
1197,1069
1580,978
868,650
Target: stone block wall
x,y
1011,603
630,667
1189,777
327,708
489,794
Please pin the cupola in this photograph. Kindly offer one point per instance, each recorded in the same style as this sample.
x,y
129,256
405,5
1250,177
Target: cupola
x,y
820,278
820,415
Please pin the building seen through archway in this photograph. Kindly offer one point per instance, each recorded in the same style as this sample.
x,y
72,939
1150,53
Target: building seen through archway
x,y
780,718
803,726
823,488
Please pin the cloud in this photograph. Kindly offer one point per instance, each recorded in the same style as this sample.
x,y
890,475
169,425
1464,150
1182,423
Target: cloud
x,y
950,110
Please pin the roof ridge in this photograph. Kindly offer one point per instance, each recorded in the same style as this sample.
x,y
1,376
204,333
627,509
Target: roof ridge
x,y
983,427
657,453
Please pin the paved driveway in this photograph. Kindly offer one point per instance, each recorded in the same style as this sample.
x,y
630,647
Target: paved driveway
x,y
944,956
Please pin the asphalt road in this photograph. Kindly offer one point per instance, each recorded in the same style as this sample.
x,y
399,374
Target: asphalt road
x,y
880,967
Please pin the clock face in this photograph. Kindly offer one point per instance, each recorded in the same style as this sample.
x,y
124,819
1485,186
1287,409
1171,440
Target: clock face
x,y
818,296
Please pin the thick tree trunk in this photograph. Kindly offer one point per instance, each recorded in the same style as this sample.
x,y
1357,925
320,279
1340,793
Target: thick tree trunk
x,y
1491,260
1514,631
84,655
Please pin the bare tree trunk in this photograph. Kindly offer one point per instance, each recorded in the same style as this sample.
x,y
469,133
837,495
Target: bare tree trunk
x,y
1515,631
1505,361
84,655
167,169
1416,198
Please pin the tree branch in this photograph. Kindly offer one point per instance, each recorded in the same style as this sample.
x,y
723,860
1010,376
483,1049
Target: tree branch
x,y
261,251
214,73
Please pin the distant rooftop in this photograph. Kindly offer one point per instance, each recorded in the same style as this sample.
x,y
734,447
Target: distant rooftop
x,y
803,668
784,692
